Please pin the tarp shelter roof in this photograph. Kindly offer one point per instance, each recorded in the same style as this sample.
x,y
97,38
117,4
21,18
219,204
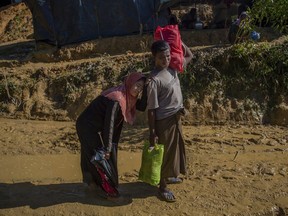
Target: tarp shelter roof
x,y
69,21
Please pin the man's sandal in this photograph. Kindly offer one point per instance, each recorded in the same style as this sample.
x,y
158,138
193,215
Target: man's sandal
x,y
167,196
173,180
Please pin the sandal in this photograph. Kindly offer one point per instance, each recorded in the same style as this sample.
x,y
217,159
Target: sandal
x,y
167,196
173,180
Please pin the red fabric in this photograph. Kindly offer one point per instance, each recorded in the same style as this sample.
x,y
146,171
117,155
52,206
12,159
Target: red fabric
x,y
110,190
171,34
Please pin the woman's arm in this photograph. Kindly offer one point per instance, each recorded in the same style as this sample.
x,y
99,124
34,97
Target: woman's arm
x,y
111,113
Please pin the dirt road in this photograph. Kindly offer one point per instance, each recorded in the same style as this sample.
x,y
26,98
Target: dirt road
x,y
232,170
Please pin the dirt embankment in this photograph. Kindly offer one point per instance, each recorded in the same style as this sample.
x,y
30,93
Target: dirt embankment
x,y
15,23
218,86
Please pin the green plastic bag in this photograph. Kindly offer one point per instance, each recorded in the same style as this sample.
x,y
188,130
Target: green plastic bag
x,y
150,170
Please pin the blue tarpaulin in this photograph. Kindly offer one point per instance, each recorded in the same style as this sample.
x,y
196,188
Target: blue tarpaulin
x,y
70,21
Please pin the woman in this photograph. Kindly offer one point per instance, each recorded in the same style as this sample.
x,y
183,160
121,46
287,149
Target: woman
x,y
99,127
236,30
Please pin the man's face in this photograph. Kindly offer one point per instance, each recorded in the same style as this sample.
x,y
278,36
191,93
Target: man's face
x,y
162,59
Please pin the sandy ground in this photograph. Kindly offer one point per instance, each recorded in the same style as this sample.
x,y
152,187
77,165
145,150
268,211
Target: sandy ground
x,y
232,170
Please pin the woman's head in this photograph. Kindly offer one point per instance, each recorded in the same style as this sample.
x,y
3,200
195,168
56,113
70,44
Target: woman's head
x,y
126,94
161,51
243,15
134,83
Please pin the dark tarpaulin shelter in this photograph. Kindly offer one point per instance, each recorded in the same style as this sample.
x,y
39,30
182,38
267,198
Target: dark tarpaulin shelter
x,y
70,21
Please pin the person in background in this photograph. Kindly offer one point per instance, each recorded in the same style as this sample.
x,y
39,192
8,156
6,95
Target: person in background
x,y
189,19
99,127
172,18
235,31
165,107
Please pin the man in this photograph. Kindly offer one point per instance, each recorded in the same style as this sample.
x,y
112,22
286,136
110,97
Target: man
x,y
165,107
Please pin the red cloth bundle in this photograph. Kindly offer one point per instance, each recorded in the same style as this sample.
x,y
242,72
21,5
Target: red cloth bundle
x,y
171,34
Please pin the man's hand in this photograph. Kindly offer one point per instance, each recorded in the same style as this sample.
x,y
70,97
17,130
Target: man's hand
x,y
153,139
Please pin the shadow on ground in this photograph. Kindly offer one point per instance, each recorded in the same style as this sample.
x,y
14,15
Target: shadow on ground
x,y
36,196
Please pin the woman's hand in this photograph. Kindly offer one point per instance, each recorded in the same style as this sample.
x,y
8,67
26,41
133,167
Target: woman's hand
x,y
107,155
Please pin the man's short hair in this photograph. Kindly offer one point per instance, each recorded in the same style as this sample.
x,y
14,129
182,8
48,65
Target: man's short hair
x,y
159,46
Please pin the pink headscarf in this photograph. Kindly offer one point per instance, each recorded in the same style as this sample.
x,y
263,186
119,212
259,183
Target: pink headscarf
x,y
122,94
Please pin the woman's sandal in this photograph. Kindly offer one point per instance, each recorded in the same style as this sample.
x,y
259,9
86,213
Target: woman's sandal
x,y
174,180
167,196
